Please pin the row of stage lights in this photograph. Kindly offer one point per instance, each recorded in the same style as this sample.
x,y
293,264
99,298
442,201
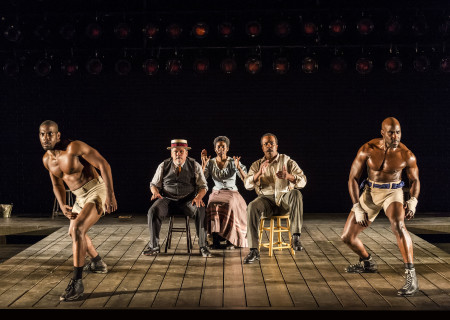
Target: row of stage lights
x,y
228,65
337,27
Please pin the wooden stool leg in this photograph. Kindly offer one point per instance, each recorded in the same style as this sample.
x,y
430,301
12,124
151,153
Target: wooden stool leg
x,y
279,232
271,237
261,231
188,235
288,224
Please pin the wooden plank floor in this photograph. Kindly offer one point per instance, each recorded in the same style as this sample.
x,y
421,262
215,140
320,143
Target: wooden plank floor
x,y
313,279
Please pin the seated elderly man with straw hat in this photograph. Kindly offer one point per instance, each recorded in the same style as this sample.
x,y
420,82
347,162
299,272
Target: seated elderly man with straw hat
x,y
178,183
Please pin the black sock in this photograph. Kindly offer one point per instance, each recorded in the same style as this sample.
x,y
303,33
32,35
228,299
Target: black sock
x,y
251,249
409,265
368,258
97,258
296,234
77,273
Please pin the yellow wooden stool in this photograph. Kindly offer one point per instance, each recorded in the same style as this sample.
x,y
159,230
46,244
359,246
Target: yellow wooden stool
x,y
278,229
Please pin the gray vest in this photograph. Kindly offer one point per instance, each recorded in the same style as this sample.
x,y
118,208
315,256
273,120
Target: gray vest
x,y
179,186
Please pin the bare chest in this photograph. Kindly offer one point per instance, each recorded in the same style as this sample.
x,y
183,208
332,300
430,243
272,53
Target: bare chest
x,y
388,162
64,164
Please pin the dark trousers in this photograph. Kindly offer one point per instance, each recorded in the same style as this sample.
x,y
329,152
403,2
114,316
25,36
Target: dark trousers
x,y
163,208
291,202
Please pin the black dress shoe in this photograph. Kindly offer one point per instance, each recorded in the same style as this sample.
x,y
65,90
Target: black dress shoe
x,y
149,251
73,291
296,244
252,256
204,251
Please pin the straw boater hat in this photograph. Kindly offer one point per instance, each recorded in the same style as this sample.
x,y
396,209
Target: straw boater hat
x,y
179,143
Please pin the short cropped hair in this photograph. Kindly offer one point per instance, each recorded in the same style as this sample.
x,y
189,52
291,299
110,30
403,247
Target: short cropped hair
x,y
50,123
269,134
222,138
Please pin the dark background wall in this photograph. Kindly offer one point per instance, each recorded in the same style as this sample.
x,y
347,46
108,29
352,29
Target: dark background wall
x,y
320,119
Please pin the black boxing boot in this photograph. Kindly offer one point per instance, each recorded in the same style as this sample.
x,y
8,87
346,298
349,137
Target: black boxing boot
x,y
411,285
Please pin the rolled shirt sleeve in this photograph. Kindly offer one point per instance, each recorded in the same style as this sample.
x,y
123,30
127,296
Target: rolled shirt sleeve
x,y
249,184
158,177
300,178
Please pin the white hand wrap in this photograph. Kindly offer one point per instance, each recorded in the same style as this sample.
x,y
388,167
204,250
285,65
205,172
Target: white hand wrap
x,y
359,212
412,204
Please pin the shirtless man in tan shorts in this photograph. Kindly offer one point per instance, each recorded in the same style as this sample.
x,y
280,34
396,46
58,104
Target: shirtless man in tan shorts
x,y
385,158
74,163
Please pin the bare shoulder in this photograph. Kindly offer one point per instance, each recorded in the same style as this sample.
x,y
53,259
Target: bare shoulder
x,y
407,154
76,147
369,146
45,160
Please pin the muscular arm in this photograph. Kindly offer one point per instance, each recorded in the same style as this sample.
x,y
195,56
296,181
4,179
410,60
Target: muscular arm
x,y
412,171
356,170
96,159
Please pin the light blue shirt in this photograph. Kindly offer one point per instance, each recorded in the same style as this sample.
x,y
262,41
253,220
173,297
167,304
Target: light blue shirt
x,y
224,178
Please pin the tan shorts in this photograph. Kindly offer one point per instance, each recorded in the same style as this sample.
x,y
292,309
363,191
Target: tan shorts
x,y
93,191
372,200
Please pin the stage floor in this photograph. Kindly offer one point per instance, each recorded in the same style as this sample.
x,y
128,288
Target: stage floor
x,y
313,279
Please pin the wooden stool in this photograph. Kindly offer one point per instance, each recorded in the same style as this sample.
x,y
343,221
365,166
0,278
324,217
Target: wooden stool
x,y
186,229
69,201
278,229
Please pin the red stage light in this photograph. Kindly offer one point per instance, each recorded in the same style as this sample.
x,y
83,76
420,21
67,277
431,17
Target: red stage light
x,y
201,65
11,68
151,31
310,28
364,65
174,31
122,67
365,26
282,29
173,66
393,26
253,29
444,64
122,31
419,26
13,33
42,67
393,65
338,65
253,65
200,30
94,31
69,67
150,66
281,65
226,29
310,65
337,27
228,65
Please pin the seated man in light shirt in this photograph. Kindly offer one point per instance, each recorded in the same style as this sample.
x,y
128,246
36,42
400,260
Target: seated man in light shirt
x,y
178,183
276,179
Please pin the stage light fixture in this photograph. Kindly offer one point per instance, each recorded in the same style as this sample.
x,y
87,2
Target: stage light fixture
x,y
337,27
281,65
253,29
94,31
365,26
419,26
310,65
11,68
67,31
200,30
174,31
310,28
338,65
174,66
228,65
201,65
225,29
150,66
364,65
393,65
122,67
151,31
253,65
69,67
12,33
282,29
393,26
42,67
421,63
122,31
444,64
94,66
42,32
